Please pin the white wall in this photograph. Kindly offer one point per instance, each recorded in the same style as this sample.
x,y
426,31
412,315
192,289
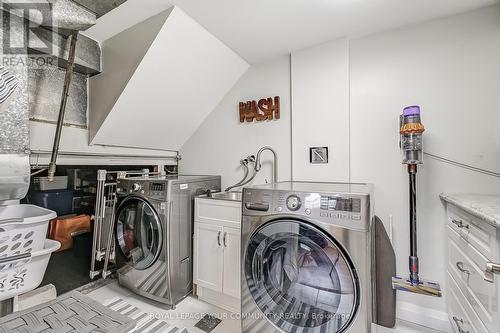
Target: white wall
x,y
450,67
221,141
120,59
76,140
320,100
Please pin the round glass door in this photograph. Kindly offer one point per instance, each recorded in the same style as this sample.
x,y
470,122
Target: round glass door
x,y
138,232
300,279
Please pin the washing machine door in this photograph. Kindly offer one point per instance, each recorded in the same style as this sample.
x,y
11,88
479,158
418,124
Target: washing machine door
x,y
138,232
300,278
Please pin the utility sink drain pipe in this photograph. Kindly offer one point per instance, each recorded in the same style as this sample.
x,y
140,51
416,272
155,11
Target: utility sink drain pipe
x,y
62,109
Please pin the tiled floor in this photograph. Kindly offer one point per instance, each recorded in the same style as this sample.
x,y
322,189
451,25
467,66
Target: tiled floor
x,y
403,327
191,310
186,314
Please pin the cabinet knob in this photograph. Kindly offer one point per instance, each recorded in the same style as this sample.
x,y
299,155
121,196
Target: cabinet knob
x,y
460,224
224,239
218,238
459,322
460,266
490,271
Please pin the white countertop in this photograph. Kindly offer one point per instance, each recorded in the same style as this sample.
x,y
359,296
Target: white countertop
x,y
484,207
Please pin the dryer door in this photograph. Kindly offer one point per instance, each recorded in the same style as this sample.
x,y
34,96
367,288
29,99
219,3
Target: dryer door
x,y
300,278
138,232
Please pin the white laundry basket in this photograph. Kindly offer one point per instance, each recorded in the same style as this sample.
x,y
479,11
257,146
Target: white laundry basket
x,y
23,229
24,251
23,273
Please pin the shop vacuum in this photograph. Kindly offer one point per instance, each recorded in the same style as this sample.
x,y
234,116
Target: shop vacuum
x,y
411,131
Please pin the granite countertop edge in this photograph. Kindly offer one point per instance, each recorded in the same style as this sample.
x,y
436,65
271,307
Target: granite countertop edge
x,y
473,209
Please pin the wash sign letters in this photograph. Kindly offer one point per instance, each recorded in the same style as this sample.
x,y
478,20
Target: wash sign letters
x,y
264,109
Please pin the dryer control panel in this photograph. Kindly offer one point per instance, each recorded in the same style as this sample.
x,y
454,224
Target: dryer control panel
x,y
346,210
153,190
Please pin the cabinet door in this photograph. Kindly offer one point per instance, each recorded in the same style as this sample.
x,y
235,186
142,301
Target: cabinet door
x,y
232,260
208,256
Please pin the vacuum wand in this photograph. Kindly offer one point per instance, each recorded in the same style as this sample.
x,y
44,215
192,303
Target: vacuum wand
x,y
411,131
413,260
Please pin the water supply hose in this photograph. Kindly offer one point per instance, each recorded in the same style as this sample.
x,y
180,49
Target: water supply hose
x,y
243,163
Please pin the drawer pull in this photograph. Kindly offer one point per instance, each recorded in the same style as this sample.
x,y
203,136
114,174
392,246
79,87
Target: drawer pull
x,y
460,224
491,270
460,266
459,323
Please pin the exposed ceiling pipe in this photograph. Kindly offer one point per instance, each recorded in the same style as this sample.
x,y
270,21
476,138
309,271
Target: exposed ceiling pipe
x,y
62,109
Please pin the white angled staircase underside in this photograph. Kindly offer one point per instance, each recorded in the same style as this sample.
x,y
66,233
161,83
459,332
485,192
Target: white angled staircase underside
x,y
160,79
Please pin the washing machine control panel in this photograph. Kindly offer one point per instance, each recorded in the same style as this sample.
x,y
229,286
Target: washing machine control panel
x,y
350,210
154,190
342,204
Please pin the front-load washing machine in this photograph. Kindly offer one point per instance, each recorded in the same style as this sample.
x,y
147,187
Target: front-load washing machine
x,y
154,231
306,258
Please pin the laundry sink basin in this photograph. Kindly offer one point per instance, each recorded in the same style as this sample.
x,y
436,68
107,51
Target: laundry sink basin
x,y
230,196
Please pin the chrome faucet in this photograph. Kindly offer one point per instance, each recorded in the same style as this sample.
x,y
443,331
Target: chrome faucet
x,y
258,164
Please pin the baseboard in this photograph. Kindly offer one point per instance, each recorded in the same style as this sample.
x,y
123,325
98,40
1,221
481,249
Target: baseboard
x,y
433,319
35,297
225,302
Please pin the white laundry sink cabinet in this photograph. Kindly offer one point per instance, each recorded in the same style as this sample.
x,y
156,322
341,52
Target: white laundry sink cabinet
x,y
217,251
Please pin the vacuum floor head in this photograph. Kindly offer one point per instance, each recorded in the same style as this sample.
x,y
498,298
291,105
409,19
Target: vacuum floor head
x,y
427,288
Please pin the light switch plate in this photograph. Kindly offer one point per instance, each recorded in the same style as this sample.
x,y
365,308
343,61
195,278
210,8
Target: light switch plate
x,y
318,155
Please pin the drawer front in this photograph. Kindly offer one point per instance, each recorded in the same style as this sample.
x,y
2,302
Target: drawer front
x,y
467,265
478,233
220,212
462,317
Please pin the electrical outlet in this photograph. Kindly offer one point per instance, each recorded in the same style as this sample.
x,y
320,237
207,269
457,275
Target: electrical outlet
x,y
318,155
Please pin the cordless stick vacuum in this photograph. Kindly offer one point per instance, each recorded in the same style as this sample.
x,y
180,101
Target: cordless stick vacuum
x,y
412,150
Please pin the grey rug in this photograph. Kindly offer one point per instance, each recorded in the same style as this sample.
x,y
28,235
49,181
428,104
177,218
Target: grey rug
x,y
145,321
72,312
